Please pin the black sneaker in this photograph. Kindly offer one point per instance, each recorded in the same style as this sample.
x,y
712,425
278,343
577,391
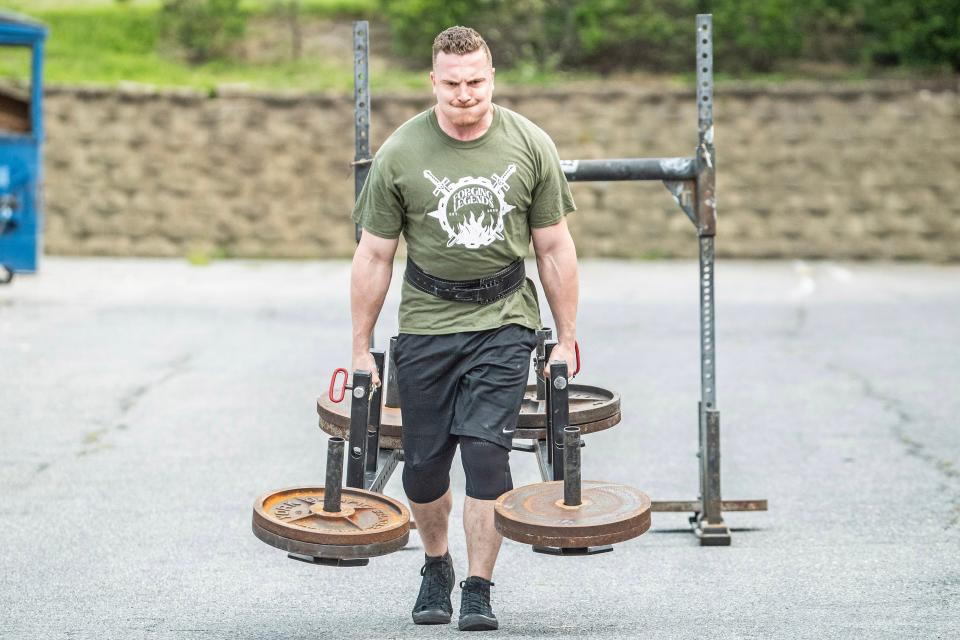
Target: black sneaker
x,y
475,611
433,603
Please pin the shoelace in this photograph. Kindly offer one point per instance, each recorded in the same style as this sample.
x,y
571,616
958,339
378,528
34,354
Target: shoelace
x,y
435,586
475,598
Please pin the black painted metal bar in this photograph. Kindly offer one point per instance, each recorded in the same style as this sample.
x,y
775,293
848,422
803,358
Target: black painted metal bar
x,y
334,482
571,466
359,418
373,426
548,414
540,358
392,399
558,406
618,169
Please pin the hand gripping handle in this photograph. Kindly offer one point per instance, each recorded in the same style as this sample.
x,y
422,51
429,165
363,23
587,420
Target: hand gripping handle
x,y
333,383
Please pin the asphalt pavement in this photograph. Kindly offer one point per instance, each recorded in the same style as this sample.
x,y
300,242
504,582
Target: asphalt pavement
x,y
144,404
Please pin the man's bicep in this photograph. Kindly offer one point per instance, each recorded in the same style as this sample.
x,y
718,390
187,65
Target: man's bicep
x,y
548,238
377,248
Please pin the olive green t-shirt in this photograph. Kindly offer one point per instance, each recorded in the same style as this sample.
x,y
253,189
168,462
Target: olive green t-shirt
x,y
466,210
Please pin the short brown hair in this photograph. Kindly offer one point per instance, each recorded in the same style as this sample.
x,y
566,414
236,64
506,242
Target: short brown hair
x,y
459,41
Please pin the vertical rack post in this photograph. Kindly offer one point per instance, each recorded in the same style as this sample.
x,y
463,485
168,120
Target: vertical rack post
x,y
361,107
361,116
709,522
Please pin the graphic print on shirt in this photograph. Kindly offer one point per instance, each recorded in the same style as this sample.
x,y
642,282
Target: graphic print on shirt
x,y
471,210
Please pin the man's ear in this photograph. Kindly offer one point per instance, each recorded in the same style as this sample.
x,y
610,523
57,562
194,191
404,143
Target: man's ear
x,y
433,82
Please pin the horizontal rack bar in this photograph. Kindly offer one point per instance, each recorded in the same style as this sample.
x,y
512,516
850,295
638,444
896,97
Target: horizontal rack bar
x,y
630,169
690,506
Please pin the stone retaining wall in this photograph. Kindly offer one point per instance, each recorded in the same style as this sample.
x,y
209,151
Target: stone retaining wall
x,y
865,171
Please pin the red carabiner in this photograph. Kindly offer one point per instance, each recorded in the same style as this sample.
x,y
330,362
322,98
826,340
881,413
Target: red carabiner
x,y
576,350
333,382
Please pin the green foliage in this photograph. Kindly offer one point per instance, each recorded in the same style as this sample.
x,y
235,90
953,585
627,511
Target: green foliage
x,y
204,29
917,33
751,35
755,35
518,31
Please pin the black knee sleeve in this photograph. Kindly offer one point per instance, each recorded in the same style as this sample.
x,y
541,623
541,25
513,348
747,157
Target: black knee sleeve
x,y
487,466
427,481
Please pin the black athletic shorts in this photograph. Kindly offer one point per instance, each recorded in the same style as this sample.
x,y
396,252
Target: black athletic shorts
x,y
460,384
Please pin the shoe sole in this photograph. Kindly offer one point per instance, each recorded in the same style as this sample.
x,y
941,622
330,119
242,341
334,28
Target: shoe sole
x,y
477,622
432,616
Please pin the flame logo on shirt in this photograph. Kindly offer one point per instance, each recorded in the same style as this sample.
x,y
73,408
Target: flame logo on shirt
x,y
471,210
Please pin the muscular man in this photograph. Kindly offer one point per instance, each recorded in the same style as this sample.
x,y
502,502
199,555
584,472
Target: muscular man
x,y
467,183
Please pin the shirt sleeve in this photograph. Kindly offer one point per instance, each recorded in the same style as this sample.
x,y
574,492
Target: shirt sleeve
x,y
379,209
552,199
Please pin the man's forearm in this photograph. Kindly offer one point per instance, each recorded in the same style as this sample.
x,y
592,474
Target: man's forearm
x,y
369,281
561,285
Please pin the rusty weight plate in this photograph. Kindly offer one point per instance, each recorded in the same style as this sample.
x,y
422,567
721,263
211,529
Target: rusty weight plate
x,y
591,408
609,513
368,524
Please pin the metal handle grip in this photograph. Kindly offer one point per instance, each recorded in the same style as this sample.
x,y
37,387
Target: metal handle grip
x,y
333,382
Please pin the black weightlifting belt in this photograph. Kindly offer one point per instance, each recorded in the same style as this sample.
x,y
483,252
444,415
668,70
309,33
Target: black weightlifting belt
x,y
480,291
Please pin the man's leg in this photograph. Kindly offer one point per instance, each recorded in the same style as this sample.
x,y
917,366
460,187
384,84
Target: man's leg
x,y
432,521
427,486
487,466
483,540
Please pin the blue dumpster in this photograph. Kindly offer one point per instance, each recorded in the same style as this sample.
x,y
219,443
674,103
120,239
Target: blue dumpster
x,y
21,139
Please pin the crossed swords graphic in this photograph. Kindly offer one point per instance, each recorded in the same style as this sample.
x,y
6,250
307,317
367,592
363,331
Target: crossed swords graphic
x,y
444,188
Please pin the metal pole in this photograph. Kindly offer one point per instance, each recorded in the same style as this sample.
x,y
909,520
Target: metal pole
x,y
571,466
543,335
373,426
332,488
361,107
713,531
361,114
392,399
615,169
558,406
359,418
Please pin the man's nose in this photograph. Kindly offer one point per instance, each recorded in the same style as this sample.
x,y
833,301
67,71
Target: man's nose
x,y
462,94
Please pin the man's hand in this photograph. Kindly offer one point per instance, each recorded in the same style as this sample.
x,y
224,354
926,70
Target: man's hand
x,y
364,361
564,352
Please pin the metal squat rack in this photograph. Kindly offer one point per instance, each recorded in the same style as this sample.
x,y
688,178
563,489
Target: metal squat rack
x,y
692,182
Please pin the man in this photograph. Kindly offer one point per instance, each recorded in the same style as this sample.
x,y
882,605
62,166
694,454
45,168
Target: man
x,y
468,183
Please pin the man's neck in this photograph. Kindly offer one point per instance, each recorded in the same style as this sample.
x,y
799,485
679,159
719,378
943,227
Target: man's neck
x,y
465,134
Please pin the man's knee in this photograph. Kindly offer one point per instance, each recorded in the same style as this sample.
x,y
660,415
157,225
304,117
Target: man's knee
x,y
426,481
487,467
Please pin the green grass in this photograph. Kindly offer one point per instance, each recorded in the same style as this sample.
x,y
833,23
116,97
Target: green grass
x,y
101,42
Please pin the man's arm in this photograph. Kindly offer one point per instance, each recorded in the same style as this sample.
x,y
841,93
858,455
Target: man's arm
x,y
369,282
557,264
